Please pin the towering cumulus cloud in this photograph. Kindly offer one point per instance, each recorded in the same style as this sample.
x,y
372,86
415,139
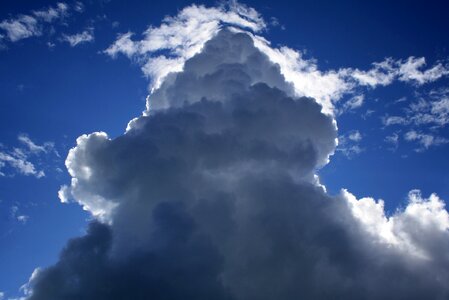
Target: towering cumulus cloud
x,y
213,194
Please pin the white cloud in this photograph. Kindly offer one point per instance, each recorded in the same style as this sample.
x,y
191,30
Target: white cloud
x,y
34,148
52,13
394,120
180,37
79,7
349,143
33,24
425,140
19,160
393,140
20,28
79,38
409,70
23,219
2,295
14,212
355,136
424,118
406,229
354,102
20,165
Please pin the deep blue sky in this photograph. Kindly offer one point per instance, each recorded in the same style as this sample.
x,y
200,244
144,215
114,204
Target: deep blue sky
x,y
56,94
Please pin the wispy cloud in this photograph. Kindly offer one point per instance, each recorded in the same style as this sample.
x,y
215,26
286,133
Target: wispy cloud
x,y
423,118
349,144
18,160
17,216
33,24
79,38
424,140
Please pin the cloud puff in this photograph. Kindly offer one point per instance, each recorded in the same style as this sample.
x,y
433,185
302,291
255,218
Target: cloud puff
x,y
79,38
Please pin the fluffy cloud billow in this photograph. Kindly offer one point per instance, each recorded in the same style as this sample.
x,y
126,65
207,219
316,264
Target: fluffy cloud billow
x,y
212,194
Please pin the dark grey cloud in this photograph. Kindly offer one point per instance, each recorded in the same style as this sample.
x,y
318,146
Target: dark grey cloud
x,y
212,194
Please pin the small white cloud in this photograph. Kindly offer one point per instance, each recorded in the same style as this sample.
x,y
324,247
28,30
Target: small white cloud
x,y
20,164
52,13
76,39
425,140
20,159
33,147
21,28
79,7
33,24
355,136
14,212
393,140
348,144
394,120
23,219
409,70
64,194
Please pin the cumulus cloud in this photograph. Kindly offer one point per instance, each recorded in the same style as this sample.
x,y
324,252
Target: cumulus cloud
x,y
79,38
212,194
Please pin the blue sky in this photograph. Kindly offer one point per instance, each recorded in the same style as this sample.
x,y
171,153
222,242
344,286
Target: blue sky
x,y
58,83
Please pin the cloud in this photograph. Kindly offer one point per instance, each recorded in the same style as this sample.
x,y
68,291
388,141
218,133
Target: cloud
x,y
165,49
21,28
23,219
19,164
425,140
393,140
34,148
18,160
33,24
424,118
213,194
349,143
52,13
75,39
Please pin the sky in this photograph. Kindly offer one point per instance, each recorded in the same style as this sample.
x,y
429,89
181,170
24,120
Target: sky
x,y
255,137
